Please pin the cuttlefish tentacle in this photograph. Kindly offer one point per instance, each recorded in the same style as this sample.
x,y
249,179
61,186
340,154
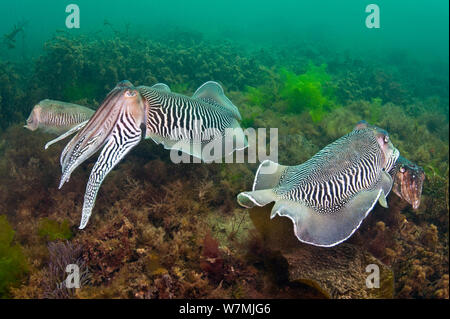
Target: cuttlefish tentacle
x,y
125,136
116,126
68,133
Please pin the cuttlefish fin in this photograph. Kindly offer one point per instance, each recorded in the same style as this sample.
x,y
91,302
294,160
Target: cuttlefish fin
x,y
211,148
268,175
211,92
327,230
256,198
122,140
68,133
310,225
183,145
162,87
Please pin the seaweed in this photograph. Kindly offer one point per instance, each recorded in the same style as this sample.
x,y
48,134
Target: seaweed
x,y
308,91
62,254
52,230
161,230
212,262
13,263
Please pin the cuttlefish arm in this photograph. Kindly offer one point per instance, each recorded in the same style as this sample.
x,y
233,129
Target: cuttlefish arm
x,y
94,135
122,140
115,126
68,133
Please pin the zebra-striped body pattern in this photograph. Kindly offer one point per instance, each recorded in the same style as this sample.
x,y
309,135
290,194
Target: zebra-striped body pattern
x,y
335,174
178,117
328,196
169,118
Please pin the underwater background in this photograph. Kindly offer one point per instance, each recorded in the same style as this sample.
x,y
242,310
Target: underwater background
x,y
164,230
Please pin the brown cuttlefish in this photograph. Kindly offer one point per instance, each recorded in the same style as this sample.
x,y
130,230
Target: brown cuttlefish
x,y
408,181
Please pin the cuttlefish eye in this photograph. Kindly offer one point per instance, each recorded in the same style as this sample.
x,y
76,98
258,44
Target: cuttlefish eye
x,y
386,139
130,93
402,169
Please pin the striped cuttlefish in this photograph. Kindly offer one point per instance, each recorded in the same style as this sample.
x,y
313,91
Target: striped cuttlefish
x,y
178,122
328,196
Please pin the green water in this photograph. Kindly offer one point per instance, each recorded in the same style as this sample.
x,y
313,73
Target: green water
x,y
417,27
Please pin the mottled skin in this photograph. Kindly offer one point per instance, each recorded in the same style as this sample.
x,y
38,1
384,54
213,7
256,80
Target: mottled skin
x,y
57,117
408,181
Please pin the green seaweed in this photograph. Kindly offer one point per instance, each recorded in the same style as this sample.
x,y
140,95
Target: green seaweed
x,y
256,96
52,230
308,91
13,264
375,110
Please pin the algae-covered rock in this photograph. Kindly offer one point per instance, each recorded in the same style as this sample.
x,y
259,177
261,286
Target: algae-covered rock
x,y
341,271
337,272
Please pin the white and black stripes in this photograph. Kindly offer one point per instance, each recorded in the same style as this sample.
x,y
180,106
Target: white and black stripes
x,y
116,127
358,164
178,117
125,136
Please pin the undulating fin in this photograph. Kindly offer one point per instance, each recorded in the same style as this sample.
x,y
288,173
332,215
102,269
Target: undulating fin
x,y
196,126
68,133
185,146
125,136
382,200
211,92
268,175
162,87
258,198
239,139
205,149
327,230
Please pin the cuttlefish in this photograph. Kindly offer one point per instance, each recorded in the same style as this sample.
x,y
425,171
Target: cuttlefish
x,y
329,195
57,117
179,122
408,181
